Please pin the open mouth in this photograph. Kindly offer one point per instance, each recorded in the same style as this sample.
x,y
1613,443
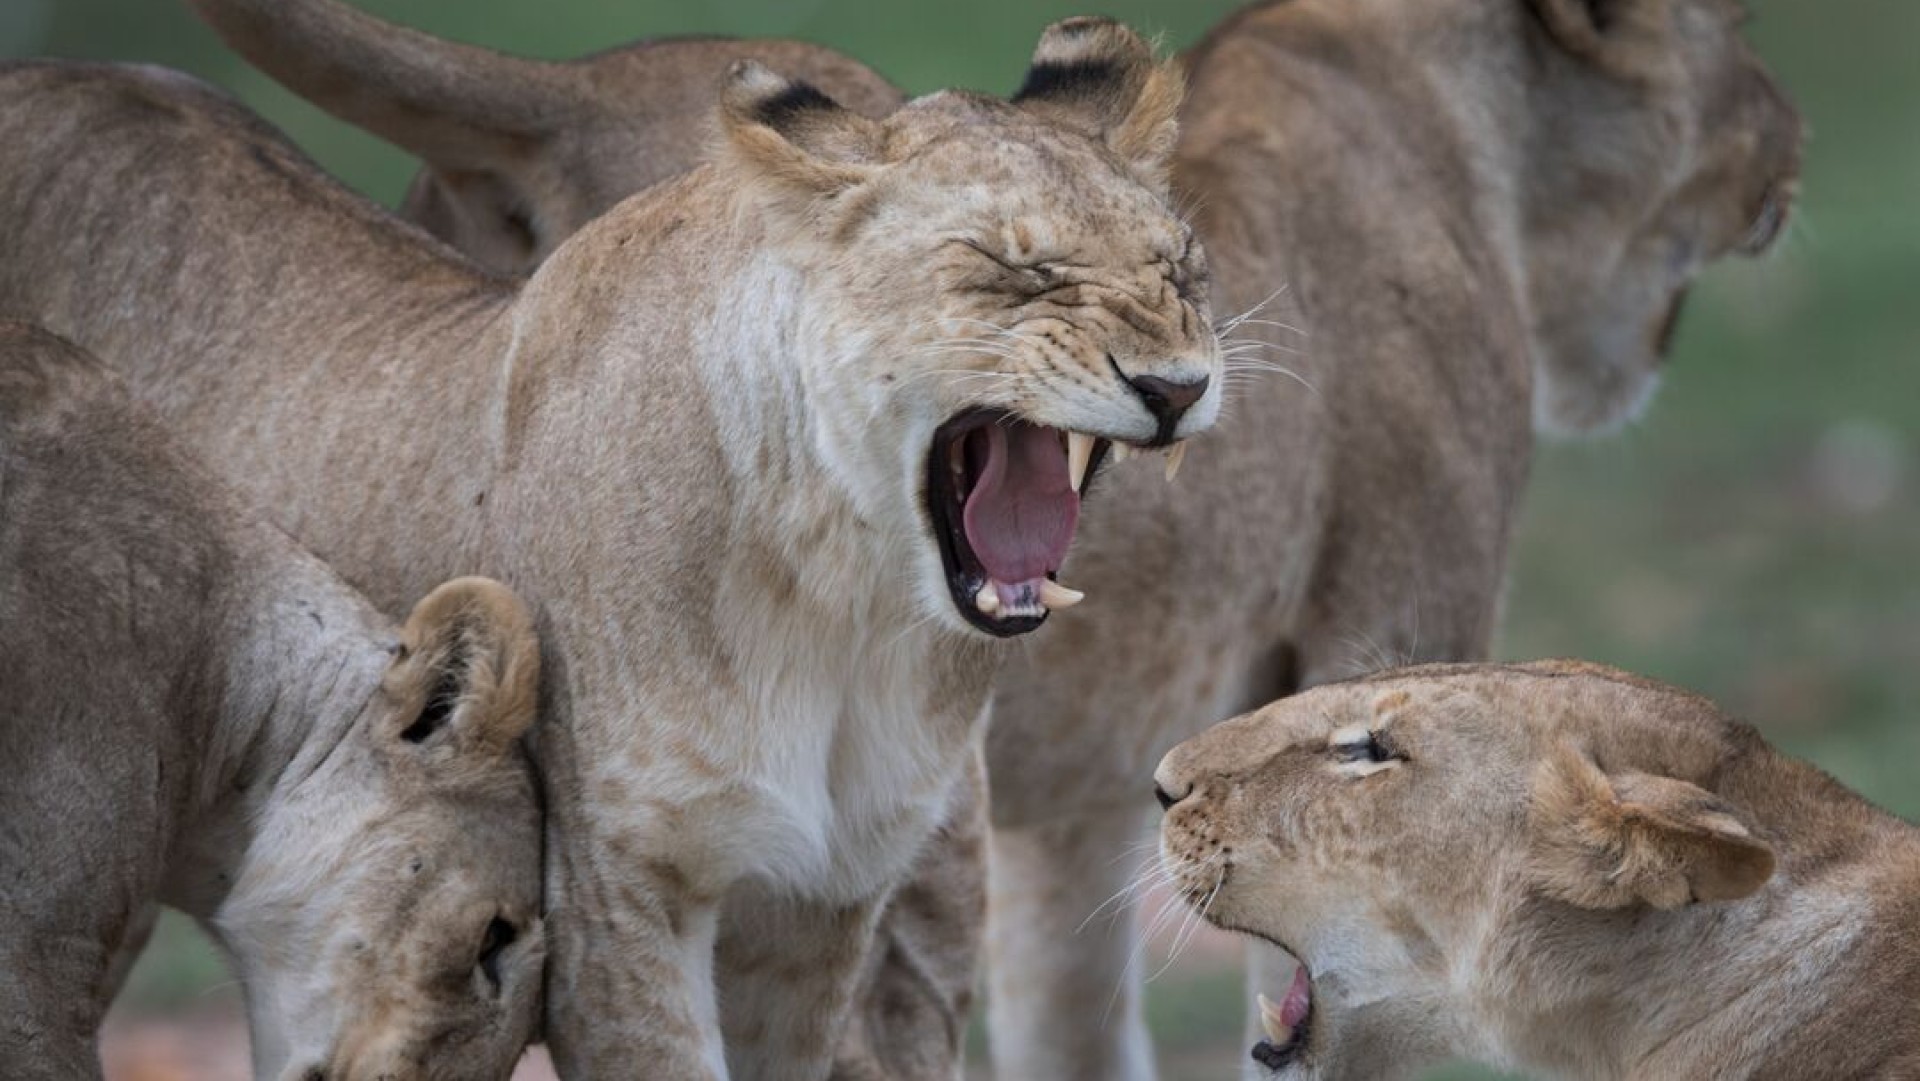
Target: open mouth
x,y
1287,1024
1004,498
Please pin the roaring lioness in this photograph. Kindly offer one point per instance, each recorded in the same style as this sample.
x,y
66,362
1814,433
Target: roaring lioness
x,y
194,710
519,153
1555,868
1441,217
783,449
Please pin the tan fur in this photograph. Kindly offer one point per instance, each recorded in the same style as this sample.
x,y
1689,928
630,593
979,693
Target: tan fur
x,y
519,153
1470,209
194,711
1458,216
697,436
1559,869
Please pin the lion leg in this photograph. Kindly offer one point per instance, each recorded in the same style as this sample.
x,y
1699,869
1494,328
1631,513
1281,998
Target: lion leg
x,y
1050,980
910,1014
47,1018
629,966
788,968
139,933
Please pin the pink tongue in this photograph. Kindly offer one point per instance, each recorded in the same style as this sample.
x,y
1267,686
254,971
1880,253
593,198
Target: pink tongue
x,y
1293,1009
1021,513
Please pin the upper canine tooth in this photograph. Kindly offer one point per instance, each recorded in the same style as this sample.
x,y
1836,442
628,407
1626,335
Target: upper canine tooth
x,y
1056,596
1272,1024
1175,455
1079,453
987,600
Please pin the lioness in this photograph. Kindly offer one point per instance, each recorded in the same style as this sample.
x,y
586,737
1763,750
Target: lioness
x,y
1473,211
1556,868
784,448
519,153
1441,217
195,711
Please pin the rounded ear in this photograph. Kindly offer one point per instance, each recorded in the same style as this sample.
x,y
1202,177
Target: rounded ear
x,y
1100,77
1610,841
788,132
467,673
1623,37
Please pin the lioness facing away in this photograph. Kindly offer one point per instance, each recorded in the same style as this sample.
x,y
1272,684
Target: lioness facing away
x,y
786,449
1555,868
195,711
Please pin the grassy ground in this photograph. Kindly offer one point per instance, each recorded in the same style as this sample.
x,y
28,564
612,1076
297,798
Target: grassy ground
x,y
1753,538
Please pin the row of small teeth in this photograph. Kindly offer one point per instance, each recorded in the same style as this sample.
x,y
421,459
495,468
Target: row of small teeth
x,y
1080,455
1053,597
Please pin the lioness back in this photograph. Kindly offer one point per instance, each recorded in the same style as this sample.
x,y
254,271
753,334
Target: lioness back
x,y
194,711
519,153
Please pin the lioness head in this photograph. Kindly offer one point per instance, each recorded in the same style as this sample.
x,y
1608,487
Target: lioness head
x,y
1411,837
1661,144
1030,295
386,920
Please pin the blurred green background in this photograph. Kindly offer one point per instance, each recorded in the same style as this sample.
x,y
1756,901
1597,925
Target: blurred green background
x,y
1754,537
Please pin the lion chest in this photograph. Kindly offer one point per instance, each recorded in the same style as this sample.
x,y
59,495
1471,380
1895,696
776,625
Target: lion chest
x,y
820,780
852,779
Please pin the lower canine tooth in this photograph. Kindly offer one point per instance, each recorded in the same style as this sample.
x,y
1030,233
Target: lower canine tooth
x,y
987,600
1175,455
1271,1023
1079,453
1056,596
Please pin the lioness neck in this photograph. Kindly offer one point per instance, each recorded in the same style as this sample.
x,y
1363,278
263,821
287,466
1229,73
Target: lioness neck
x,y
1427,93
1668,996
303,656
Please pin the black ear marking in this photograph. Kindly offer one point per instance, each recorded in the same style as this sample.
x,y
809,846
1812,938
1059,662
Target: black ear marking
x,y
798,98
1604,13
1066,79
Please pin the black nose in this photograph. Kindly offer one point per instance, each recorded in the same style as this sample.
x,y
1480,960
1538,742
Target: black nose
x,y
1167,401
1166,801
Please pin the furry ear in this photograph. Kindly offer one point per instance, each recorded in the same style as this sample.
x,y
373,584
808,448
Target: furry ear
x,y
1625,37
1609,841
1097,75
467,673
794,134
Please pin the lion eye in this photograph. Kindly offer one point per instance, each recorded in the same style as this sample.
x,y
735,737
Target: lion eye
x,y
499,935
1365,746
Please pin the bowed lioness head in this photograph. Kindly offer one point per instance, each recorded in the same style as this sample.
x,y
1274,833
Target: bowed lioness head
x,y
386,918
1018,291
1659,144
1412,837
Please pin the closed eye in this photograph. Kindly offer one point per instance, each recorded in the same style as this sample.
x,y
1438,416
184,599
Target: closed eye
x,y
493,942
1364,746
1034,276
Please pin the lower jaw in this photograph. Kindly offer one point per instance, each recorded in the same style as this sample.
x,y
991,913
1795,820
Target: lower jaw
x,y
1009,622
